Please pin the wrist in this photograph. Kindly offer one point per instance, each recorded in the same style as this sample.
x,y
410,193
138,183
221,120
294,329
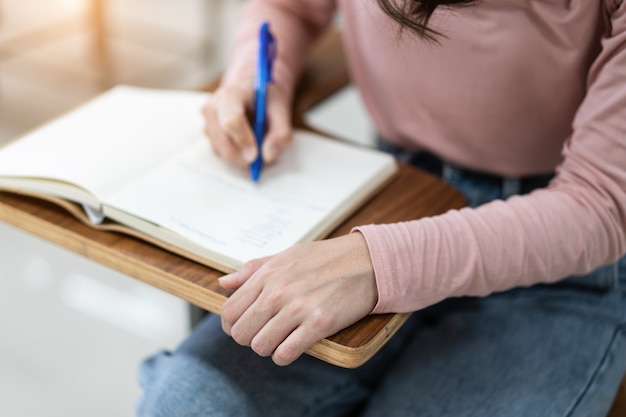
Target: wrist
x,y
363,267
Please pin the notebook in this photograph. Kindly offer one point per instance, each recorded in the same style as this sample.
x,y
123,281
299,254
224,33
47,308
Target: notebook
x,y
136,160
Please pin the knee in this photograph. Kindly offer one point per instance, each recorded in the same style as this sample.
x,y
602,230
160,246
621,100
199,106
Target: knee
x,y
162,396
179,385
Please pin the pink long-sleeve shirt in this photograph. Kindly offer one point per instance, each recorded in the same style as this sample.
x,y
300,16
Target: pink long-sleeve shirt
x,y
515,88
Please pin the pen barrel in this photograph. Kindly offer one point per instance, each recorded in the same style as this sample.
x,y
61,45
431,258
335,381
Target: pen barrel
x,y
267,52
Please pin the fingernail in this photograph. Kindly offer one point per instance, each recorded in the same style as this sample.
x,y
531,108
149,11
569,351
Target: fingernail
x,y
226,278
249,154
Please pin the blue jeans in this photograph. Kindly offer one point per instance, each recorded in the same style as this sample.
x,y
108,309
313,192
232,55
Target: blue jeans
x,y
550,350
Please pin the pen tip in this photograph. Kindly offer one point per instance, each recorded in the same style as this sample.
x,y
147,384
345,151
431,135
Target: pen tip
x,y
255,169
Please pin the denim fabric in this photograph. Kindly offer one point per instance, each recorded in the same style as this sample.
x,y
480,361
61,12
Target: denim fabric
x,y
546,351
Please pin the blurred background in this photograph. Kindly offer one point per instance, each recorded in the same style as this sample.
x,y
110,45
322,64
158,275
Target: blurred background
x,y
72,333
55,54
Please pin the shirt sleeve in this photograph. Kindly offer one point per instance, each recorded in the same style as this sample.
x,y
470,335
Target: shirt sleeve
x,y
294,24
573,226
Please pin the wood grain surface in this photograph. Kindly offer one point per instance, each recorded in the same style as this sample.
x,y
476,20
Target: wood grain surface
x,y
410,195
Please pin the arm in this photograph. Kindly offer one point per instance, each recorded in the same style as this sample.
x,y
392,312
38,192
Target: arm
x,y
575,225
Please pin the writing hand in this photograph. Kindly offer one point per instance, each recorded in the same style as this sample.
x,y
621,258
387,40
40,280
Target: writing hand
x,y
228,128
285,303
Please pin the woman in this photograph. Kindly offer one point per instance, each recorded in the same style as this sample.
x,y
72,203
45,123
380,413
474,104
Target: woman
x,y
519,299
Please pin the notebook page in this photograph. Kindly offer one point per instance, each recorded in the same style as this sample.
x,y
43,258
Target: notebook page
x,y
218,206
101,145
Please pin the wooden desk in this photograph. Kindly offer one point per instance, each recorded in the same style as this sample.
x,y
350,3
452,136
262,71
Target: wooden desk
x,y
412,194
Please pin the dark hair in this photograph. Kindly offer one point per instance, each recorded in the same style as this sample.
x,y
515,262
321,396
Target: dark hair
x,y
415,14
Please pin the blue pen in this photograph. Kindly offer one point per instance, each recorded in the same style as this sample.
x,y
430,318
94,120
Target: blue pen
x,y
267,53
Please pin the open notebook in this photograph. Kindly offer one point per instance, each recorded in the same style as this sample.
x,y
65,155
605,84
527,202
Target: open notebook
x,y
139,157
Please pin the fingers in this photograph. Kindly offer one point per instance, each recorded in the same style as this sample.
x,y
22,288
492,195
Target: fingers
x,y
285,303
285,333
260,315
266,328
272,334
234,123
228,127
237,279
234,308
240,302
294,346
288,335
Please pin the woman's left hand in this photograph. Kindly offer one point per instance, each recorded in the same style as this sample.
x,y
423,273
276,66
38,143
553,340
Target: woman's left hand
x,y
285,303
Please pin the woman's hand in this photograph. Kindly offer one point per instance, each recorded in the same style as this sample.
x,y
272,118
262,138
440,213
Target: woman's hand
x,y
227,123
287,302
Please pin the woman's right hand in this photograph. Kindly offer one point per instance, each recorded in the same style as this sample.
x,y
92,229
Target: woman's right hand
x,y
228,113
